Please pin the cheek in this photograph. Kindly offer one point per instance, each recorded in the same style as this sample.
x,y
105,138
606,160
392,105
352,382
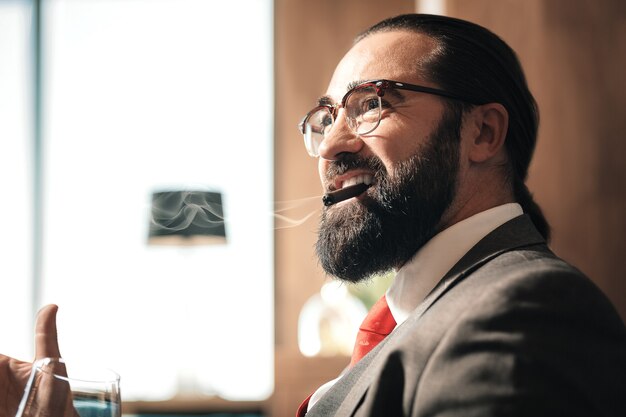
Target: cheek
x,y
395,145
407,128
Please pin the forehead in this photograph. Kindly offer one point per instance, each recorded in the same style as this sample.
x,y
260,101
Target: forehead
x,y
394,55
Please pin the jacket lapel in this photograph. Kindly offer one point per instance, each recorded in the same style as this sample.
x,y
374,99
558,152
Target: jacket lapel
x,y
515,234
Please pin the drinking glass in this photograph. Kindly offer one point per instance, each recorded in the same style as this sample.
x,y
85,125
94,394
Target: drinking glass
x,y
53,392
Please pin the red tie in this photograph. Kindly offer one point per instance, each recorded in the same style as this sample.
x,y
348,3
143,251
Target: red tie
x,y
375,327
303,407
378,323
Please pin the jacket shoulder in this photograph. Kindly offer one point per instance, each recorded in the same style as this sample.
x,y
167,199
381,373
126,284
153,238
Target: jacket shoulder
x,y
530,334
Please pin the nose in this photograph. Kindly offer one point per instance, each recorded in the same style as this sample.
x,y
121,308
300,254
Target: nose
x,y
341,139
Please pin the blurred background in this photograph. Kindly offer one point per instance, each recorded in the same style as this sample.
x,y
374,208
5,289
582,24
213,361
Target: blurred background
x,y
104,103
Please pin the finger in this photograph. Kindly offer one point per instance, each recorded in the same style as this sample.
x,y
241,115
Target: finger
x,y
46,345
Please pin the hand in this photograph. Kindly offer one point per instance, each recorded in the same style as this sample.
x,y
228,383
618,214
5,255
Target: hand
x,y
14,373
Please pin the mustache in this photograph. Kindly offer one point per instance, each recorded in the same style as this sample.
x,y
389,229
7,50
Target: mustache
x,y
351,161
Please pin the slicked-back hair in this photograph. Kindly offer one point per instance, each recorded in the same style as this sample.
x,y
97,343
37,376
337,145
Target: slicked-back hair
x,y
471,61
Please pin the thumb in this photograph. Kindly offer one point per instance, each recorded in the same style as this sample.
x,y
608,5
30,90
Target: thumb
x,y
46,345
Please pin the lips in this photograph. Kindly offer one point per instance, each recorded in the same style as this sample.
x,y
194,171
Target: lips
x,y
347,186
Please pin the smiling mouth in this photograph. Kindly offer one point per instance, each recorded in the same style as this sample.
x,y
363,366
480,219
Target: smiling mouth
x,y
366,179
352,187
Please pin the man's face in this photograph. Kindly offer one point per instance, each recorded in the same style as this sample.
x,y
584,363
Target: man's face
x,y
412,157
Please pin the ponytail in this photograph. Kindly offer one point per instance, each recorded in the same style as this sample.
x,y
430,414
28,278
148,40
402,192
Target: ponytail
x,y
530,207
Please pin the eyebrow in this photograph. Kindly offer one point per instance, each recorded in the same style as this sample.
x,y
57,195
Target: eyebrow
x,y
353,84
328,100
325,101
397,93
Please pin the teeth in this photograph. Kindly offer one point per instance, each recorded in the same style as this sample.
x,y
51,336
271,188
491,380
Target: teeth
x,y
358,179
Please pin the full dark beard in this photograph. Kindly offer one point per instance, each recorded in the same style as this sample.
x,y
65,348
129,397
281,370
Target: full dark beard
x,y
399,215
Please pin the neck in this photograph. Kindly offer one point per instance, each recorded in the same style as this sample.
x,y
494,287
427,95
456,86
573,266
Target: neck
x,y
475,197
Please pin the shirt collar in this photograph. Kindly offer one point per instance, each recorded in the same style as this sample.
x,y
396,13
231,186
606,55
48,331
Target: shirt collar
x,y
420,275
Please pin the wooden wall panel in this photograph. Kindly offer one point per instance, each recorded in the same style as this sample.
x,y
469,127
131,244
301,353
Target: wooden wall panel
x,y
574,55
311,37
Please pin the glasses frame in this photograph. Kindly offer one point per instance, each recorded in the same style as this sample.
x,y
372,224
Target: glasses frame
x,y
381,86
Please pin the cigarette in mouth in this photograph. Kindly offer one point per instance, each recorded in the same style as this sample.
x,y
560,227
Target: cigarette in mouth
x,y
337,196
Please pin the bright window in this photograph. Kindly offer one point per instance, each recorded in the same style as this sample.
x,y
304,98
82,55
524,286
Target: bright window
x,y
143,96
16,178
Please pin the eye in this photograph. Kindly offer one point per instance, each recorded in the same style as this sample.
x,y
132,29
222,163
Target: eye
x,y
364,106
370,104
320,119
326,120
363,102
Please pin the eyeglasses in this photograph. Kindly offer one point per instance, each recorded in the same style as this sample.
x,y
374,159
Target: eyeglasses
x,y
363,105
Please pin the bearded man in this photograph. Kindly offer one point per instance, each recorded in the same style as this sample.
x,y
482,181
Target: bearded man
x,y
428,129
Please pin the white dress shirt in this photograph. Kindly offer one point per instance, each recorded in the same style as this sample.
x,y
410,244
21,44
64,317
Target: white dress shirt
x,y
419,276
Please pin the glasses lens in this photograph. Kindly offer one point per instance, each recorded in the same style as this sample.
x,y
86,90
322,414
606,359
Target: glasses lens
x,y
363,109
316,126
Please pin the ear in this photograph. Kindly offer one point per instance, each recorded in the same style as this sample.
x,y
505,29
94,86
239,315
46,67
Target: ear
x,y
491,123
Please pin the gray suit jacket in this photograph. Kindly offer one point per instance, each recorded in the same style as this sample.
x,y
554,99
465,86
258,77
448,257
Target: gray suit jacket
x,y
511,330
